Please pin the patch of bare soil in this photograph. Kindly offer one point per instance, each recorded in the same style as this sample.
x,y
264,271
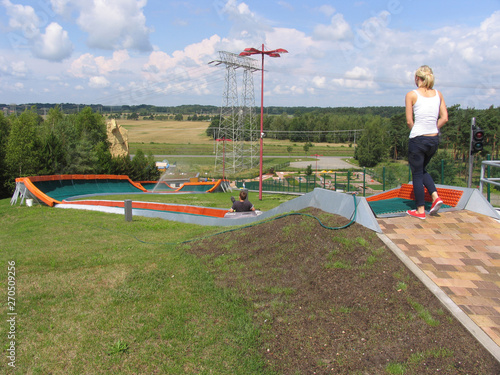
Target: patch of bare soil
x,y
339,301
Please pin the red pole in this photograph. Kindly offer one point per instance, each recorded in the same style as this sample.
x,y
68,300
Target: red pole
x,y
273,53
261,125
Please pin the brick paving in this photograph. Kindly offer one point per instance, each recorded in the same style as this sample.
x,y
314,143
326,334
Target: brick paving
x,y
460,252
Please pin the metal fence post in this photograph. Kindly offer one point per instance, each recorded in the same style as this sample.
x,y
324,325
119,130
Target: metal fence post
x,y
364,182
383,178
488,157
442,171
127,205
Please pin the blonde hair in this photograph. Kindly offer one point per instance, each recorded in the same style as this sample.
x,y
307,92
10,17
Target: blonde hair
x,y
426,75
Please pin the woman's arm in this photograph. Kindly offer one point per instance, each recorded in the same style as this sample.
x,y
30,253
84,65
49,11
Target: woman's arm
x,y
443,112
410,100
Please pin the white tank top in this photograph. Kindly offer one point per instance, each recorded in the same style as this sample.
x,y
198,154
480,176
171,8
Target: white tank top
x,y
426,112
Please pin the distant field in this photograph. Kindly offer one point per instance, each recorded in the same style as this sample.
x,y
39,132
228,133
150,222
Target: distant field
x,y
164,137
176,132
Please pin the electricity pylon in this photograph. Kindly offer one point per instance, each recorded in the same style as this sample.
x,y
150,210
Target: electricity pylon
x,y
235,136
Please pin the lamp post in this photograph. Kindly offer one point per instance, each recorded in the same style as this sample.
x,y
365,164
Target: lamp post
x,y
272,53
317,157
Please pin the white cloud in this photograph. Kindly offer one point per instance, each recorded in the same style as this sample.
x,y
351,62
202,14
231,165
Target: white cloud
x,y
87,65
18,68
358,77
338,29
232,8
198,51
296,42
327,10
84,66
286,5
98,82
54,44
105,66
61,6
159,61
247,26
195,54
22,18
371,58
319,82
112,24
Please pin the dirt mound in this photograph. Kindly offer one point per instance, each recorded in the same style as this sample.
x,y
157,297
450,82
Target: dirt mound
x,y
338,301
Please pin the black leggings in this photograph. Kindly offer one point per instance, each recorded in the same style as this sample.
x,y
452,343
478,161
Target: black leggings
x,y
420,151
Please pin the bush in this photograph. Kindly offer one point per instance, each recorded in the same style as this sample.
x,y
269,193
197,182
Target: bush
x,y
445,160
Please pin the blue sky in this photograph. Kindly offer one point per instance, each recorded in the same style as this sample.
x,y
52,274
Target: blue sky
x,y
341,53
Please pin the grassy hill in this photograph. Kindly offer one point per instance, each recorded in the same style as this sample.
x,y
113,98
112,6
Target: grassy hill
x,y
95,294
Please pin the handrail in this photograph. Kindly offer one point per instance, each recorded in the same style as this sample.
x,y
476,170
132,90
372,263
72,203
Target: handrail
x,y
488,180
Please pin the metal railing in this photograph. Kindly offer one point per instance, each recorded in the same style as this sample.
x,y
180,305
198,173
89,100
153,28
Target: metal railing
x,y
486,175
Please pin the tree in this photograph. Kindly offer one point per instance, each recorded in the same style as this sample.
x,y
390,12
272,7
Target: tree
x,y
307,146
91,125
52,154
4,136
139,166
77,143
152,172
309,170
84,159
22,156
398,133
489,121
122,165
104,159
372,147
297,129
443,158
133,116
55,115
278,126
214,126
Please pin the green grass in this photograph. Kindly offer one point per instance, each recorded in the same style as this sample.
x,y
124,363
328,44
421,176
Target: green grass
x,y
416,359
270,148
424,314
216,200
205,166
91,297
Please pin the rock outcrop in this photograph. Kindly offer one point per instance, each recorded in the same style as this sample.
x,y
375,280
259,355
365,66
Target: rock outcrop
x,y
118,139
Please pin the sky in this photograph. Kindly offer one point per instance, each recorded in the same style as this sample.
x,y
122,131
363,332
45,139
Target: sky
x,y
340,53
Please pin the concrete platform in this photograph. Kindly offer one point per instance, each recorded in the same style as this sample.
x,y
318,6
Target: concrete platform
x,y
457,255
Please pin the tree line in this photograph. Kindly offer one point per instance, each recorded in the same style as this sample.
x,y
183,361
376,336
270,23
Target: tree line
x,y
192,109
62,144
378,133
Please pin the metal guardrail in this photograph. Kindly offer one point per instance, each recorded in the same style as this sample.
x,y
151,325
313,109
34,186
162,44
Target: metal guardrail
x,y
485,179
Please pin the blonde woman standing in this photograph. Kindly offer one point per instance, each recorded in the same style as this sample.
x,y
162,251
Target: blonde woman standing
x,y
426,113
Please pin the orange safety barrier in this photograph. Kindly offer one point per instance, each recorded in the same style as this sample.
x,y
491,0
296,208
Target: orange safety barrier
x,y
450,197
153,182
37,192
29,183
204,211
217,184
83,177
195,184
